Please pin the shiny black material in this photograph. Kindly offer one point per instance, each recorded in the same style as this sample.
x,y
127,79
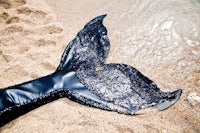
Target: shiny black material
x,y
83,77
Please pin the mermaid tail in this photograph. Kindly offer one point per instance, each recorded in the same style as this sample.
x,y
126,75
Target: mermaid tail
x,y
83,77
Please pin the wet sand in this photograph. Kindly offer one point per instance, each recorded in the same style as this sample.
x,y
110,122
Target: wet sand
x,y
161,39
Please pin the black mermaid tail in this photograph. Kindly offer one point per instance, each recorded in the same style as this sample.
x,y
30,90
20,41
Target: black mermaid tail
x,y
83,77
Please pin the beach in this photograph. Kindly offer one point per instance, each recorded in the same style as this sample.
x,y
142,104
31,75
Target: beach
x,y
159,38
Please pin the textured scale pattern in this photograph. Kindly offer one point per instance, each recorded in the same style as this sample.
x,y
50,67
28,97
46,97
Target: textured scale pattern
x,y
90,45
121,84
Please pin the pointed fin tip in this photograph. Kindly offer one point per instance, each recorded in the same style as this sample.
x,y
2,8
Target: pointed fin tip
x,y
101,17
98,18
167,103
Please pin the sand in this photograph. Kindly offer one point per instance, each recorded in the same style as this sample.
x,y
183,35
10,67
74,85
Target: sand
x,y
159,38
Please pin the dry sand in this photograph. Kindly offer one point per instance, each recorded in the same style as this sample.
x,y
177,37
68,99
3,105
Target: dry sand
x,y
159,38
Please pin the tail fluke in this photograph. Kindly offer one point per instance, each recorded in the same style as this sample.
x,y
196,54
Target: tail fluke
x,y
90,44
